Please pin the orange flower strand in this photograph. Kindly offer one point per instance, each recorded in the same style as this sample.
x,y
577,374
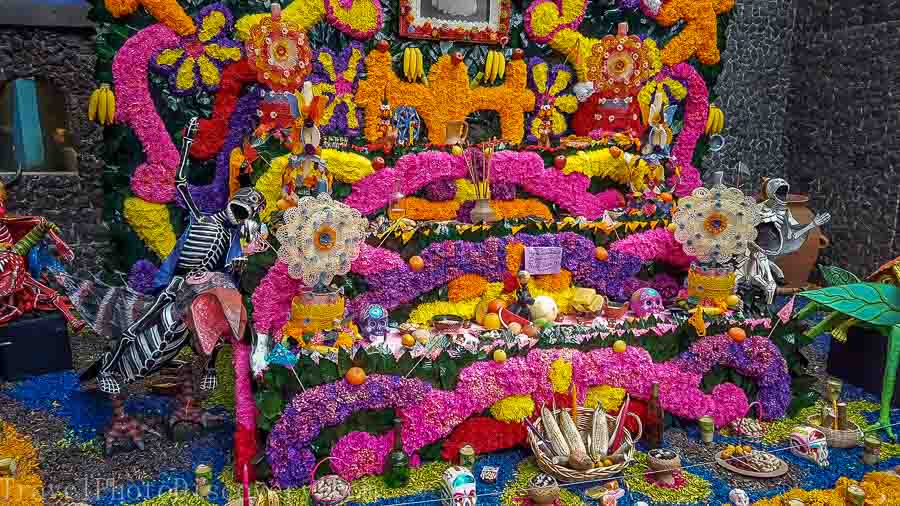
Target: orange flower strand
x,y
447,98
700,29
419,209
554,282
521,208
467,286
25,488
167,12
515,255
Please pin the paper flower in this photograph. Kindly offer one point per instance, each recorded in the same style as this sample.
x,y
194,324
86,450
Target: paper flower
x,y
549,83
336,77
716,224
320,238
620,64
198,60
279,50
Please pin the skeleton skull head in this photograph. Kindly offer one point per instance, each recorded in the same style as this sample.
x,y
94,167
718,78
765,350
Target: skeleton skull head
x,y
246,204
738,497
458,487
646,301
374,322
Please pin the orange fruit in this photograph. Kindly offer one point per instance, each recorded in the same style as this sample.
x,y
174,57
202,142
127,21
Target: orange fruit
x,y
495,306
600,253
619,346
491,321
355,376
530,330
416,263
737,334
665,197
499,356
408,340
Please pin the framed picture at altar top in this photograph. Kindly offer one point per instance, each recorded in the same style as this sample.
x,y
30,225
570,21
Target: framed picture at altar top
x,y
481,21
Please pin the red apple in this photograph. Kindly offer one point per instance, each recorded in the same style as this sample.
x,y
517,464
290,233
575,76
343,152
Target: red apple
x,y
378,163
383,45
559,162
457,57
518,54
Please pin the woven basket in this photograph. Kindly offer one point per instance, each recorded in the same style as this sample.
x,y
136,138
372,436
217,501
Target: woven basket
x,y
847,438
584,423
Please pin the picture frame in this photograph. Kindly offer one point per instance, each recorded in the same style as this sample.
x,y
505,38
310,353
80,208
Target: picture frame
x,y
480,21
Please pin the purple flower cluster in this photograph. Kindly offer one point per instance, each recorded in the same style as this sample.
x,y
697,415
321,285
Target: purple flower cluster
x,y
343,88
447,260
326,406
441,190
140,279
756,357
665,284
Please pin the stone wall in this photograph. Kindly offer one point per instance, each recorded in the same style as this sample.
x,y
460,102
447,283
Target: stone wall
x,y
843,123
74,202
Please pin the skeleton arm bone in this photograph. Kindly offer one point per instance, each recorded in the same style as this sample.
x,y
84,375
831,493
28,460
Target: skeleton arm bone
x,y
181,184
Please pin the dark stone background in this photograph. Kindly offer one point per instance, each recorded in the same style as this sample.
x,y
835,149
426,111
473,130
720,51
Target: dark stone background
x,y
74,202
809,89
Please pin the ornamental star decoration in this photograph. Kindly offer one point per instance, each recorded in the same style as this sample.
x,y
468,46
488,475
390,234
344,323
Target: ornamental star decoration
x,y
548,84
198,60
336,77
320,238
716,224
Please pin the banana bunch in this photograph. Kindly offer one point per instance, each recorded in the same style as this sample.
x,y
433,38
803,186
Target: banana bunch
x,y
412,64
494,67
102,105
715,121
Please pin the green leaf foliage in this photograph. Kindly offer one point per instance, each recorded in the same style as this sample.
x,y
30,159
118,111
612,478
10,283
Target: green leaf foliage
x,y
835,276
874,303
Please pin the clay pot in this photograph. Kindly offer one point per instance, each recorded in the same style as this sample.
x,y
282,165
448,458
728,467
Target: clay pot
x,y
799,265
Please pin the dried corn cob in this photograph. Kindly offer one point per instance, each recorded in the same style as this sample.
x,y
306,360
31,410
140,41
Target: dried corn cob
x,y
554,434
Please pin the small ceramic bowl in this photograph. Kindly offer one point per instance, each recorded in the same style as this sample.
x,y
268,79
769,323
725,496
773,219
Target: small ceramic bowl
x,y
614,310
447,323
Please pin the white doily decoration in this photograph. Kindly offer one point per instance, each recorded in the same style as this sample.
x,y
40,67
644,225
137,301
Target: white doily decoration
x,y
320,238
716,224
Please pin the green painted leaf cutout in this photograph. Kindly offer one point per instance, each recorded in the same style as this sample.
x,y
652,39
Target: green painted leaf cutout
x,y
875,303
835,276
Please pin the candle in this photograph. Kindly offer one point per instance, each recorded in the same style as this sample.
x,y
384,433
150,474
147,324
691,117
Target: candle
x,y
246,486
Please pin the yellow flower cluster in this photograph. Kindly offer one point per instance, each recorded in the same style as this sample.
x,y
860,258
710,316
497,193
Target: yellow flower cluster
x,y
347,167
880,488
419,209
467,286
560,375
613,165
423,313
151,223
269,184
645,96
610,397
25,488
563,298
304,13
514,408
167,12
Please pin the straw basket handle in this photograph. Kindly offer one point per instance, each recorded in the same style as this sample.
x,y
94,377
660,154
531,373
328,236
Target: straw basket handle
x,y
759,410
640,427
312,474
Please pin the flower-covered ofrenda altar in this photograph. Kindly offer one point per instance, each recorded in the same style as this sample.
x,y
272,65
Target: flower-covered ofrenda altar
x,y
434,233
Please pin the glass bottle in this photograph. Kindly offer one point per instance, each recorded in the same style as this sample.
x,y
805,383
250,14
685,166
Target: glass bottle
x,y
653,431
396,469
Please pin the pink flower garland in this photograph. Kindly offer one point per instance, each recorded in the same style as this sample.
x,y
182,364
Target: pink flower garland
x,y
654,245
414,171
272,299
696,112
482,384
154,180
361,454
373,260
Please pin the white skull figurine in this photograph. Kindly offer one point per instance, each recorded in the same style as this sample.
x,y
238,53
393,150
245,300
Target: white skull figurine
x,y
738,497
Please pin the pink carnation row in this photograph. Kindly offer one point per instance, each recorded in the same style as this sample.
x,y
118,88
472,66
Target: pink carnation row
x,y
525,169
153,180
654,245
695,115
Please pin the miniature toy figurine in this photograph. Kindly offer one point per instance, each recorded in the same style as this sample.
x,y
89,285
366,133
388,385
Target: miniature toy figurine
x,y
738,497
523,297
810,443
22,257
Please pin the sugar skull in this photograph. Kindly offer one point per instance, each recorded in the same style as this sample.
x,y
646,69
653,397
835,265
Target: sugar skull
x,y
458,487
646,301
738,497
810,443
374,322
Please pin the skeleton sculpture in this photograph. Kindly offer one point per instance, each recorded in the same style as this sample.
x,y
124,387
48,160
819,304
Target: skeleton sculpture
x,y
779,234
197,290
20,285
